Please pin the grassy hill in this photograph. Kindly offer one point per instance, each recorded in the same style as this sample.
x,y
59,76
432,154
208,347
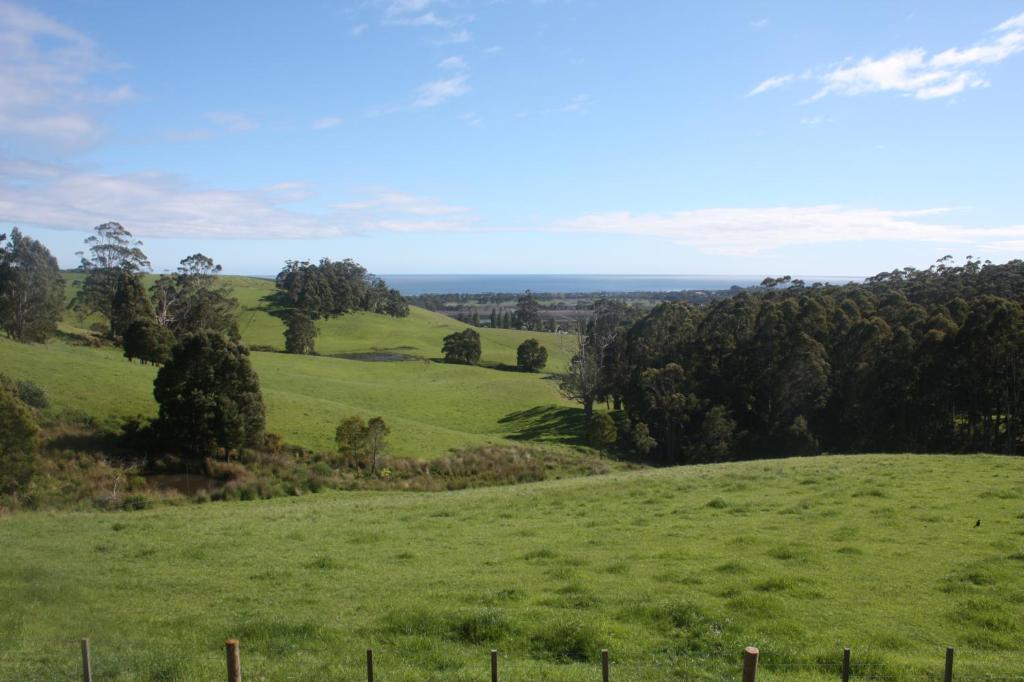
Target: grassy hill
x,y
431,407
672,570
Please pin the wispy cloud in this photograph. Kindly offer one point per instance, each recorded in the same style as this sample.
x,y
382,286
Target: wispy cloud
x,y
230,121
453,63
358,30
160,205
435,92
913,72
771,84
755,231
759,24
45,68
327,122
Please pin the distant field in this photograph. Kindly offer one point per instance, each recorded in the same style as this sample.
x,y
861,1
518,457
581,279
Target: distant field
x,y
431,407
672,570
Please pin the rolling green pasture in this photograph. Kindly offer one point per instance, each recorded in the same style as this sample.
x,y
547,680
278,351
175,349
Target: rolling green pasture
x,y
431,407
673,570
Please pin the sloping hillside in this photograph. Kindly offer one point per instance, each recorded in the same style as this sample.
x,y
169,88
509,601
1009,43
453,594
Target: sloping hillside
x,y
673,570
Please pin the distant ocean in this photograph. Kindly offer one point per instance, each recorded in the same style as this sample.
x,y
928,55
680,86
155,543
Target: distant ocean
x,y
413,285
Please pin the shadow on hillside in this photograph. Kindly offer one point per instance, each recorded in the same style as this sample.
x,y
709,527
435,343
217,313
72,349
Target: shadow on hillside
x,y
275,304
548,424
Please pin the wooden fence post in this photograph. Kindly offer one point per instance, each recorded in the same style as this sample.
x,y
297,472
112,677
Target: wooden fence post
x,y
369,665
604,665
750,655
234,661
494,665
846,664
86,661
949,665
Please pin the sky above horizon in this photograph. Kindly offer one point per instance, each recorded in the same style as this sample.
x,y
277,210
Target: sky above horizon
x,y
558,136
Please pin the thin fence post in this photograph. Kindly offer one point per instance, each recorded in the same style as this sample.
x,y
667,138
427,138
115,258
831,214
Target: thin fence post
x,y
234,661
369,665
750,655
86,661
494,665
846,664
949,665
604,665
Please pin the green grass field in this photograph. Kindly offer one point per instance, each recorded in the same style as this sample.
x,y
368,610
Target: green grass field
x,y
431,407
673,570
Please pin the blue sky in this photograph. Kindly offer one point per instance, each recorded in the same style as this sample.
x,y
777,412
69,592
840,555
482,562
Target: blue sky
x,y
433,136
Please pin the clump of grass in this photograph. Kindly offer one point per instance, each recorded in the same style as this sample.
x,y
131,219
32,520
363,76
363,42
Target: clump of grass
x,y
321,563
566,641
717,503
484,626
540,554
414,621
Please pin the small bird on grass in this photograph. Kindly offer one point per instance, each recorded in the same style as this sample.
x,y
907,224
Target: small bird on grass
x,y
977,523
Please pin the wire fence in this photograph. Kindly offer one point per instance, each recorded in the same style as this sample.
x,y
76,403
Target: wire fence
x,y
749,665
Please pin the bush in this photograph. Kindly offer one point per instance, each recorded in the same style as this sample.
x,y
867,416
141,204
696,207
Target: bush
x,y
18,431
601,431
531,356
27,392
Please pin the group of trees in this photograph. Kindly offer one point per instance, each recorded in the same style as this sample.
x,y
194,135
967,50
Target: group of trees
x,y
313,291
360,442
147,324
31,289
912,360
463,348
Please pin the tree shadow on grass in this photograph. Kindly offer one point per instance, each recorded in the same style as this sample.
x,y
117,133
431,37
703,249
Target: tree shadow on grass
x,y
548,424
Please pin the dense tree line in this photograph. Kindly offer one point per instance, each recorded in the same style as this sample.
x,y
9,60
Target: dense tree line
x,y
31,289
911,360
312,291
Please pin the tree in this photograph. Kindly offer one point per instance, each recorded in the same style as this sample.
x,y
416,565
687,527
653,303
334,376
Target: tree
x,y
18,433
112,250
528,311
376,432
361,443
462,348
194,300
129,305
148,341
531,356
300,333
350,437
209,395
31,289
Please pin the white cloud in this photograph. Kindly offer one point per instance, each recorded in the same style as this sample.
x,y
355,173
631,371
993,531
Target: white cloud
x,y
913,72
435,92
759,24
754,231
470,118
230,121
44,78
358,30
771,84
327,122
453,63
159,205
455,38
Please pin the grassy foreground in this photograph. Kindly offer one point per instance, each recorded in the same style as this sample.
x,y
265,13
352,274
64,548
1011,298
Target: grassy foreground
x,y
672,570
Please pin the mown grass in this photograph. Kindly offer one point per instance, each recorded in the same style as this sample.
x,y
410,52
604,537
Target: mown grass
x,y
795,560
